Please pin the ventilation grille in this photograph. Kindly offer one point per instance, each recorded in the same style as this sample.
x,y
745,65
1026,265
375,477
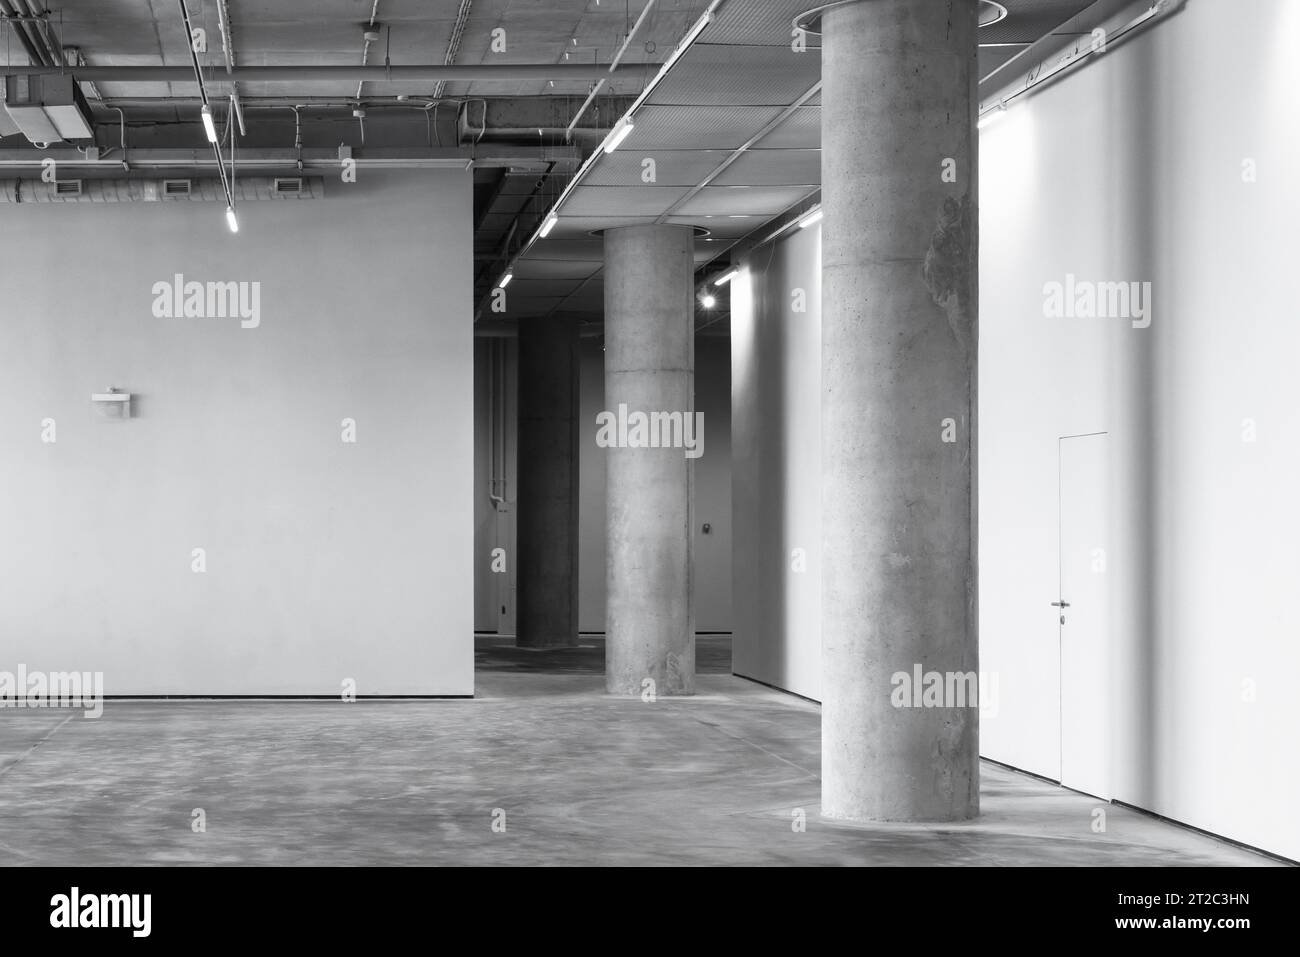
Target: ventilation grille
x,y
246,189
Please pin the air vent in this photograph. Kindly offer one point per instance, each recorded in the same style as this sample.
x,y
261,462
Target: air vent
x,y
176,187
67,187
289,186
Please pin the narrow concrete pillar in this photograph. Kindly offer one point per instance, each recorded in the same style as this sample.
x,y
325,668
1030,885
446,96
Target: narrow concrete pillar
x,y
899,255
649,368
547,507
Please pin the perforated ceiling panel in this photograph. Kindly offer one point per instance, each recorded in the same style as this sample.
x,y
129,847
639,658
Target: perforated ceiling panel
x,y
739,76
697,127
640,200
768,167
669,168
741,200
761,21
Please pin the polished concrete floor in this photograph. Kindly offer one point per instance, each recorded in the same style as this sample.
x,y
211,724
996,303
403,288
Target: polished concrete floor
x,y
574,776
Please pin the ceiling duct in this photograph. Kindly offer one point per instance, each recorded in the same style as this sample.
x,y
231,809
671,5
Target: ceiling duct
x,y
247,189
48,109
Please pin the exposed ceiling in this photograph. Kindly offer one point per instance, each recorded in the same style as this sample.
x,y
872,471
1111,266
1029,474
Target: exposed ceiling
x,y
732,130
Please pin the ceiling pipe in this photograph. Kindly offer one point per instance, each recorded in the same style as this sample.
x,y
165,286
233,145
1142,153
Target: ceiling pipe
x,y
53,55
365,45
228,51
290,74
453,45
19,24
618,57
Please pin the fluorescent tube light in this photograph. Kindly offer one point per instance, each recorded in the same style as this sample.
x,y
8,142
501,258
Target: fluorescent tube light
x,y
208,126
620,133
991,116
812,219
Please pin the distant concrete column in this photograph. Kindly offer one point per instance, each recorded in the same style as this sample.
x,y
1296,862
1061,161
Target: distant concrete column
x,y
649,367
899,255
548,484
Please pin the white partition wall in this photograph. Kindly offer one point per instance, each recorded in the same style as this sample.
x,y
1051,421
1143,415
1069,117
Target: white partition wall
x,y
288,506
776,470
1146,167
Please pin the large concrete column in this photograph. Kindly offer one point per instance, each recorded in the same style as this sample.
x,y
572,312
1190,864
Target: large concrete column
x,y
899,255
548,484
649,367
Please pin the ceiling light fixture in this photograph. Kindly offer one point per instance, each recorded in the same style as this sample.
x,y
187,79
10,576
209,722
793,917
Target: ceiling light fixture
x,y
209,127
621,131
708,302
548,225
992,115
505,280
726,277
812,219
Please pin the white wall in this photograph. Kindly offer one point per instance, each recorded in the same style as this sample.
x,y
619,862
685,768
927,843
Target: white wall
x,y
776,465
1131,169
325,560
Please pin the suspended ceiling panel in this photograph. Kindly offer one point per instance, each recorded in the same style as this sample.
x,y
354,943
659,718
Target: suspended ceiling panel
x,y
740,76
699,127
770,167
639,200
765,201
684,167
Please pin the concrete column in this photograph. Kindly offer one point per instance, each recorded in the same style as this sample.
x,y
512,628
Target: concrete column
x,y
649,367
548,484
899,255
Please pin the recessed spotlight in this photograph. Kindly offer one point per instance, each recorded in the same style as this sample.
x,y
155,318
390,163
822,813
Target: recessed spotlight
x,y
708,302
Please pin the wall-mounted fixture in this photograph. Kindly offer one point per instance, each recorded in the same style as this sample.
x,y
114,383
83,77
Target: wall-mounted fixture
x,y
113,404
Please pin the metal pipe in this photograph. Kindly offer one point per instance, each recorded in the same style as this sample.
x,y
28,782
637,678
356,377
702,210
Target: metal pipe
x,y
618,57
53,55
20,28
453,45
300,74
228,51
568,133
365,48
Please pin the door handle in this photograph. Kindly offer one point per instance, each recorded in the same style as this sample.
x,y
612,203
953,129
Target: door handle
x,y
1061,605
